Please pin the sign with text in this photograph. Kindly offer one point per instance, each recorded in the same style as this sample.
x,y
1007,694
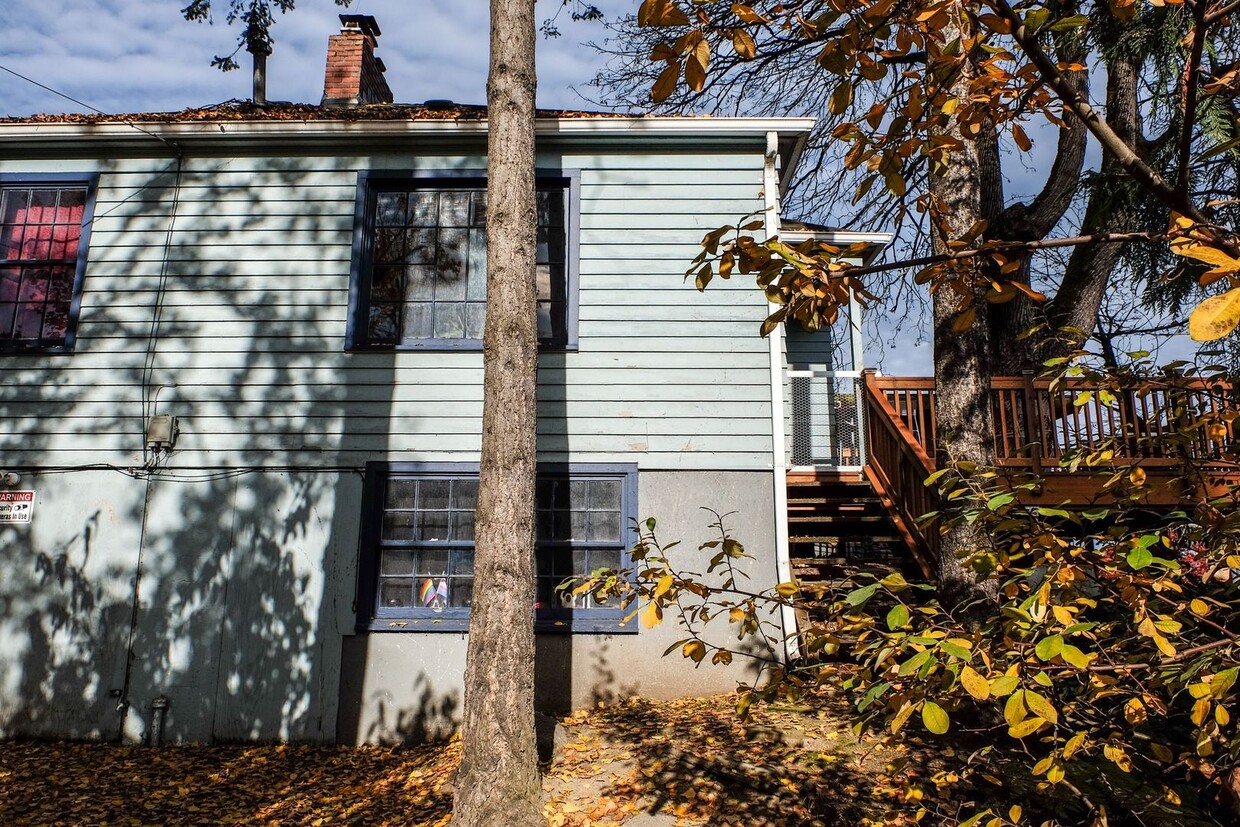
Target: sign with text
x,y
16,506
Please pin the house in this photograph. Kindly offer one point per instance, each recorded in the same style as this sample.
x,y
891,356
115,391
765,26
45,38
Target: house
x,y
241,396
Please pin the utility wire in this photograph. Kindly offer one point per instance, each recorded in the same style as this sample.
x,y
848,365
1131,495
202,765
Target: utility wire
x,y
96,110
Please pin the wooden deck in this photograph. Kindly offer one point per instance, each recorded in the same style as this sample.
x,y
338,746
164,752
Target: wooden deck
x,y
1038,427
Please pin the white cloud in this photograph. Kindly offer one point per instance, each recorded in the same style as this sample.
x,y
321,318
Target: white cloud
x,y
141,55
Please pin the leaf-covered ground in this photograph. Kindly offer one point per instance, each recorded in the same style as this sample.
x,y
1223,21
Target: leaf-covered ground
x,y
687,762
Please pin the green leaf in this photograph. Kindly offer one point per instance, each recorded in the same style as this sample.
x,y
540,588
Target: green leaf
x,y
915,663
857,597
1003,685
956,650
897,618
1139,558
1049,648
1076,21
935,718
999,500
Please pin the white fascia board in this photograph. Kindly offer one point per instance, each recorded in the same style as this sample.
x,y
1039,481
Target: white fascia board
x,y
326,130
839,237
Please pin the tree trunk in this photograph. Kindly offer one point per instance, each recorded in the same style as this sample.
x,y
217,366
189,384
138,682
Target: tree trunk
x,y
961,359
498,783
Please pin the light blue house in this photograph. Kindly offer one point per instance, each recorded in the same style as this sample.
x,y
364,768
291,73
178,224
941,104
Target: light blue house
x,y
242,379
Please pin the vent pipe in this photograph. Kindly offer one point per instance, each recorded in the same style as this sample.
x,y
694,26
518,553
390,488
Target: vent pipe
x,y
258,44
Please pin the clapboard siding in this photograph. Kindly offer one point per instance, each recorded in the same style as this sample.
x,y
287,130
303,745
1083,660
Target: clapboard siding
x,y
249,278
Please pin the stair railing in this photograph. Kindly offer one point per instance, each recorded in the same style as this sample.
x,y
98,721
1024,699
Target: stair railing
x,y
897,468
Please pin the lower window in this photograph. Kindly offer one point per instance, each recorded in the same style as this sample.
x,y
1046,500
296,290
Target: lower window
x,y
417,564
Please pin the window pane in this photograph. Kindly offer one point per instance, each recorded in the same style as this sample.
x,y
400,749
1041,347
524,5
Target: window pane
x,y
8,317
391,209
432,563
386,286
432,525
461,592
453,252
396,562
465,493
14,206
10,281
605,494
396,593
578,491
434,493
579,523
449,321
454,208
72,203
546,327
463,563
463,525
420,247
382,325
389,245
477,265
11,241
604,559
604,526
416,323
479,209
400,493
55,321
422,208
419,283
475,320
42,207
398,525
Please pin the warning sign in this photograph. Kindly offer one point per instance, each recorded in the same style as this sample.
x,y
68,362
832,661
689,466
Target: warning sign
x,y
16,506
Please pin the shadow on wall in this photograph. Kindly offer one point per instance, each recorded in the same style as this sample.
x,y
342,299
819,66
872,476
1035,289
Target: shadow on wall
x,y
222,582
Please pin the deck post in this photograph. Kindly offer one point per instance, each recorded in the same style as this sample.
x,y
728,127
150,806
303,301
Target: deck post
x,y
1033,425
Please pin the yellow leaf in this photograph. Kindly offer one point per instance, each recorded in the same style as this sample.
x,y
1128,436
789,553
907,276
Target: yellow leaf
x,y
974,683
1198,606
1021,139
1026,727
1074,744
965,320
744,44
787,589
666,83
695,650
652,615
695,73
1014,709
1134,711
747,14
1190,247
935,718
1015,813
665,583
1041,707
1215,317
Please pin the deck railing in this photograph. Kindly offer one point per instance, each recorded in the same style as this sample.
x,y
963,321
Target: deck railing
x,y
1035,426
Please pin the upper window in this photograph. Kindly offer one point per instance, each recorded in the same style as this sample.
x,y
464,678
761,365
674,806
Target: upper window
x,y
422,264
418,544
42,256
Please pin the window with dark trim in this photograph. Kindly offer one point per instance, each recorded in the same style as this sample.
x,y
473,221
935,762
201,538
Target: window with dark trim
x,y
43,241
420,263
417,555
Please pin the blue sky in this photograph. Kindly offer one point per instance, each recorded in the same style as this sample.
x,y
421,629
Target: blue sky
x,y
142,56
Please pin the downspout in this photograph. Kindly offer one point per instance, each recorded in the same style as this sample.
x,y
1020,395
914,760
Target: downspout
x,y
783,562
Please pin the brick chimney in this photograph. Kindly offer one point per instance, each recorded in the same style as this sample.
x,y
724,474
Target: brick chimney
x,y
354,75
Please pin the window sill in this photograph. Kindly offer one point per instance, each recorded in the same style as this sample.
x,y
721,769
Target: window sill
x,y
607,624
447,345
34,350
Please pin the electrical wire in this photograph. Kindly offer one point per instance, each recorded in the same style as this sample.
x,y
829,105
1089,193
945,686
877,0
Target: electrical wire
x,y
94,109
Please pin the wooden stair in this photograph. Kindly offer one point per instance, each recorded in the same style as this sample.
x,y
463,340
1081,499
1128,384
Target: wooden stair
x,y
839,527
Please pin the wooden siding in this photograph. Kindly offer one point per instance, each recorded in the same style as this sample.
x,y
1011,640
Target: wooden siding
x,y
247,261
